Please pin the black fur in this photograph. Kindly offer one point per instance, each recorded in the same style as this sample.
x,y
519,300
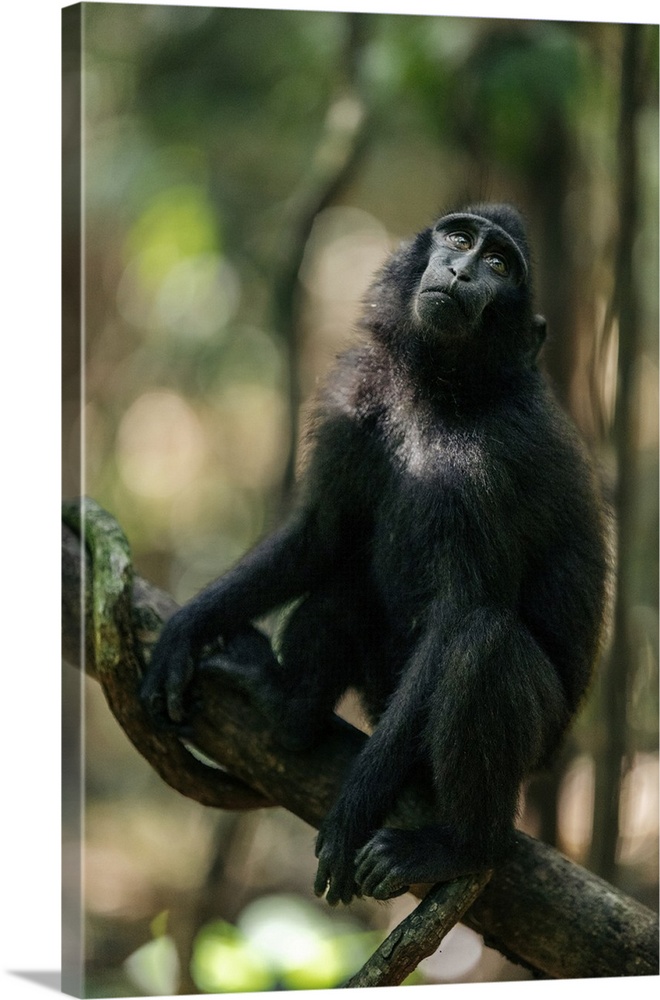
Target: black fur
x,y
448,557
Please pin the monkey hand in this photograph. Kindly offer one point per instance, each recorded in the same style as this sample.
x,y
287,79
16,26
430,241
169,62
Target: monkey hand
x,y
246,660
336,846
168,676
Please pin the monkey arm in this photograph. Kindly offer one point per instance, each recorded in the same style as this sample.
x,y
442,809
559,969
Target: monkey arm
x,y
281,567
285,565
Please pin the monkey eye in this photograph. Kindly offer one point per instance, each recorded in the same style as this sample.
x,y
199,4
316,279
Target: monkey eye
x,y
459,240
497,262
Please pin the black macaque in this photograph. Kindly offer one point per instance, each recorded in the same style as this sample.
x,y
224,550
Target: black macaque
x,y
448,560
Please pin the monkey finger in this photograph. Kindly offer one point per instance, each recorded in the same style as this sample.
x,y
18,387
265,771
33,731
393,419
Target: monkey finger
x,y
341,890
368,878
380,882
153,699
332,897
363,858
334,877
320,839
179,675
388,889
153,703
322,876
368,861
175,708
323,885
376,874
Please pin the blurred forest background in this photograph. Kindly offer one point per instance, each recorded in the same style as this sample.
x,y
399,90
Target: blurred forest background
x,y
245,172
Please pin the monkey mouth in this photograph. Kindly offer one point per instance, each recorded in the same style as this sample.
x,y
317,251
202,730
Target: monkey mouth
x,y
441,297
433,303
438,294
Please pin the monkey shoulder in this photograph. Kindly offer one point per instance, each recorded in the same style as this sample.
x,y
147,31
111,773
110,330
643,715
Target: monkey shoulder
x,y
552,483
358,387
344,459
543,444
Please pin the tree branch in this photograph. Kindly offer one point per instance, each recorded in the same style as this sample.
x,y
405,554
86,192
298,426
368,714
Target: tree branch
x,y
147,610
420,934
538,908
341,146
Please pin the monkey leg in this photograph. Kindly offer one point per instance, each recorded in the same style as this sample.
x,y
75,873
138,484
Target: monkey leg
x,y
319,657
495,706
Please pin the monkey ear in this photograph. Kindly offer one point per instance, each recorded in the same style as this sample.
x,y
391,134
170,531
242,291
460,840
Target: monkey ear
x,y
539,333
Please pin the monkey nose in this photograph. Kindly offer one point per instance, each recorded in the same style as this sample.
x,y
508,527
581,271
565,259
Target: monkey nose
x,y
460,274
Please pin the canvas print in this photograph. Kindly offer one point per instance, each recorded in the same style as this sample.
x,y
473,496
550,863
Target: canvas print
x,y
360,500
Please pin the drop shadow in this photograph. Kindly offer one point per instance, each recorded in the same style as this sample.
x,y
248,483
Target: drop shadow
x,y
49,980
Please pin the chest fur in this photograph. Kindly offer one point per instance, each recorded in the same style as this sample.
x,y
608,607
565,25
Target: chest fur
x,y
438,519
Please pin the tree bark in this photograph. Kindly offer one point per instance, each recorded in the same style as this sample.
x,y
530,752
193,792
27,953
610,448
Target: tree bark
x,y
418,936
342,144
538,908
618,668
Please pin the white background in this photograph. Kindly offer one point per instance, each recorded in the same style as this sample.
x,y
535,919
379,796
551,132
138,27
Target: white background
x,y
30,166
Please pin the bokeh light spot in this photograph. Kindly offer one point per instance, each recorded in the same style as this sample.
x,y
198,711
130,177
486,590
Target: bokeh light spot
x,y
160,445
